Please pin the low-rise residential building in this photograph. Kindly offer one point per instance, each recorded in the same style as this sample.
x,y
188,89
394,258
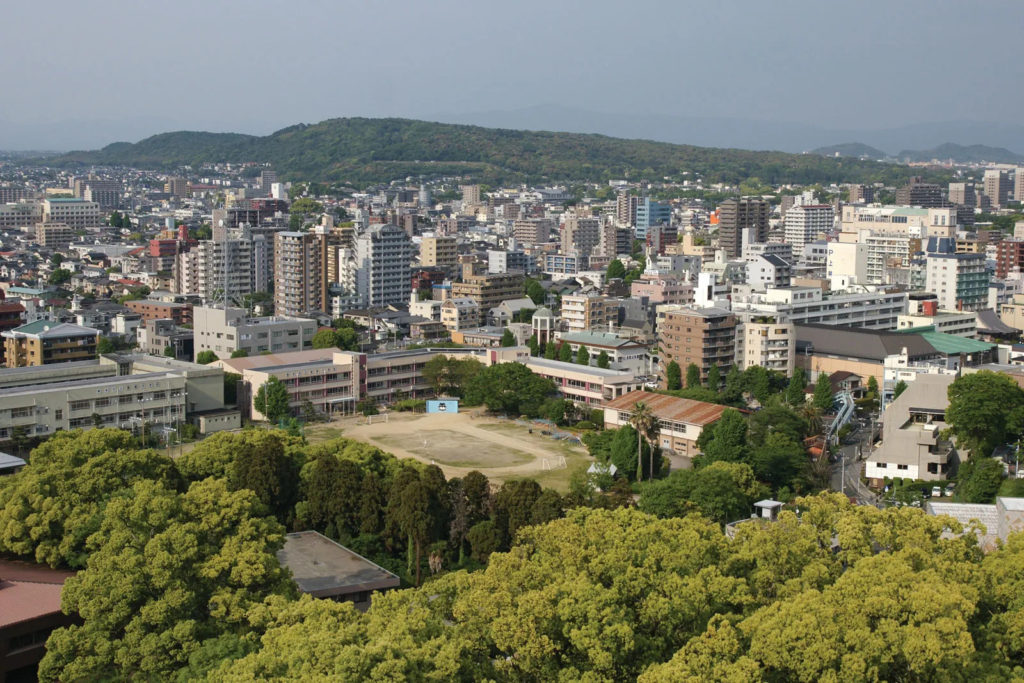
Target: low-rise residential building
x,y
44,343
913,442
460,313
662,290
587,312
680,420
156,336
150,309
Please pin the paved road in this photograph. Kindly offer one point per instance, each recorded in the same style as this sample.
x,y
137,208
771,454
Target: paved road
x,y
850,455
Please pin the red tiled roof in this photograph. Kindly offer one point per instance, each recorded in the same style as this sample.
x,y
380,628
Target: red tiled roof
x,y
29,591
670,407
24,600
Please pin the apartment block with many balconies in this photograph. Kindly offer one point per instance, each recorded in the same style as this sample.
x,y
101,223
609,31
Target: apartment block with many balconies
x,y
702,336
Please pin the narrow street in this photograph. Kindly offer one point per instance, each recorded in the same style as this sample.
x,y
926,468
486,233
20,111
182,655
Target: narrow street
x,y
849,457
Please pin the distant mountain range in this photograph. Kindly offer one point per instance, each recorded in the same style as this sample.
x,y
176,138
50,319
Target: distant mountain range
x,y
743,133
949,151
361,151
963,154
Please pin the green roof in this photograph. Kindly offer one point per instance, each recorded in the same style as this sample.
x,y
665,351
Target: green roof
x,y
948,344
589,338
43,328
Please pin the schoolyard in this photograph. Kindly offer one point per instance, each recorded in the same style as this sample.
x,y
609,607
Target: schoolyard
x,y
461,442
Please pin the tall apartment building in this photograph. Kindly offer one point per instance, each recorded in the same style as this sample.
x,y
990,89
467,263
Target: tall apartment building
x,y
105,192
1018,184
997,186
804,223
962,194
378,268
530,231
470,194
614,240
581,312
77,214
889,258
1009,257
487,290
919,193
861,194
737,215
650,213
217,271
960,281
502,261
299,272
439,251
769,344
703,336
225,331
176,187
580,235
625,208
44,342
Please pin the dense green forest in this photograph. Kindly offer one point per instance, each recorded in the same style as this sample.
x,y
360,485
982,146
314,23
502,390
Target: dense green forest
x,y
361,151
179,578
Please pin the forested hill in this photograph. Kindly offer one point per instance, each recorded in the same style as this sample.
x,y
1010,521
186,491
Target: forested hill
x,y
361,151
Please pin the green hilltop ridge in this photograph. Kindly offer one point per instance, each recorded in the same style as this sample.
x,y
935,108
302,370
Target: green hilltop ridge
x,y
851,149
362,151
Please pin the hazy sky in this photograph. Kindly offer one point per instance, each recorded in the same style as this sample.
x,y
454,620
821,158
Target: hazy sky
x,y
255,66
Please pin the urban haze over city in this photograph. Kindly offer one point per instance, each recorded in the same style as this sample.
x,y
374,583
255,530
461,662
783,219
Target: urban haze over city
x,y
514,342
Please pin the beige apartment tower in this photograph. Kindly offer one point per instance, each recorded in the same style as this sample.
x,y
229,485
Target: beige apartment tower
x,y
703,336
439,251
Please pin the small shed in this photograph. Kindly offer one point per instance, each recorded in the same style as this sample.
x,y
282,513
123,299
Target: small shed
x,y
768,509
442,405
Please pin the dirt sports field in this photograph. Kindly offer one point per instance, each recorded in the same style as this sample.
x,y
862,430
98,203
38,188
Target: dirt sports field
x,y
459,443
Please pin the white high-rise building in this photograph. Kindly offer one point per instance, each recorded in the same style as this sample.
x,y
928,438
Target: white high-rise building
x,y
211,268
804,223
377,270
